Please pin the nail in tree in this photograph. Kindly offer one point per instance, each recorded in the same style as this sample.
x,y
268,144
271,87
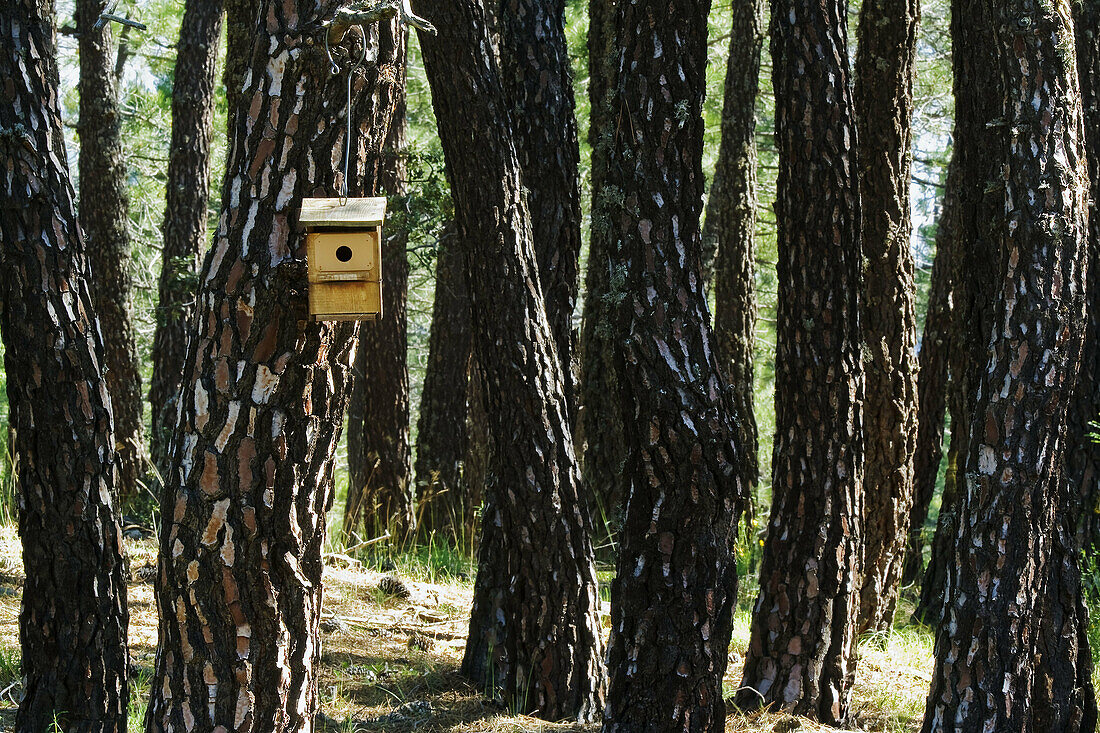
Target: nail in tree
x,y
72,625
801,654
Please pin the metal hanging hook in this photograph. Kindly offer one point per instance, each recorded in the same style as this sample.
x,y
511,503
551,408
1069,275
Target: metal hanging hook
x,y
334,69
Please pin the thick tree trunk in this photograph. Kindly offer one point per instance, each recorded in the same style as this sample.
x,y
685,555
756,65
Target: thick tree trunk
x,y
676,581
599,417
250,479
534,627
932,379
1010,651
104,215
187,193
380,490
442,502
979,131
1083,454
884,112
730,226
801,654
72,626
538,83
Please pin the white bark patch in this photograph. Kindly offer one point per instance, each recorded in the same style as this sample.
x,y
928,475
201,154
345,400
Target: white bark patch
x,y
202,406
244,706
265,384
230,426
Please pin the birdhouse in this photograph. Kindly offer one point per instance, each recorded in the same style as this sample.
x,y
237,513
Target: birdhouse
x,y
344,257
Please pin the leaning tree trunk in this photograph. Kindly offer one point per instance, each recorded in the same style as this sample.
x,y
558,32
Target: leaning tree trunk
x,y
1013,588
534,627
676,582
442,503
932,379
104,208
380,490
884,113
72,626
250,479
538,84
801,654
599,416
730,227
187,195
979,132
1083,454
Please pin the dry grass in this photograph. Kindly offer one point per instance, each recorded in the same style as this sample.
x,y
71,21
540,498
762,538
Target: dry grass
x,y
392,665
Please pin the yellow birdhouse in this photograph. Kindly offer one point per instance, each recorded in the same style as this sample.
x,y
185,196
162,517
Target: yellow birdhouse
x,y
344,257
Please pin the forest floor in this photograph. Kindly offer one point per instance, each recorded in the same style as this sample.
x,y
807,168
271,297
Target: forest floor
x,y
390,663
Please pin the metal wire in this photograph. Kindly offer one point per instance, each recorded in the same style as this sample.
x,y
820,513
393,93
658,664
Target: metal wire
x,y
334,68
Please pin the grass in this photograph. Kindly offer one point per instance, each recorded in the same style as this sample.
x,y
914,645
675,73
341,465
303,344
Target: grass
x,y
393,668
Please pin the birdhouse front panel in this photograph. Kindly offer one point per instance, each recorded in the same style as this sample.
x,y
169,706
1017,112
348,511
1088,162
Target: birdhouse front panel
x,y
344,257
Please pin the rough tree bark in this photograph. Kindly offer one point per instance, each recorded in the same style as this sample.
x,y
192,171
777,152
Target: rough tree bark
x,y
104,208
72,626
979,132
250,478
187,195
1010,653
538,83
801,654
884,115
730,226
676,581
441,501
240,24
534,627
1083,454
380,490
599,415
932,379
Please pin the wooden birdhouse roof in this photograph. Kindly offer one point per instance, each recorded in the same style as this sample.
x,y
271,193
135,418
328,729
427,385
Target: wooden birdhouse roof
x,y
358,212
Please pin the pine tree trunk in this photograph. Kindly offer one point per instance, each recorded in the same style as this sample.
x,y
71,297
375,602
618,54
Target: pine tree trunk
x,y
240,28
801,654
599,416
1083,454
265,389
538,83
884,112
104,209
475,469
979,129
380,490
676,581
72,626
187,193
1009,651
932,380
730,226
534,627
441,498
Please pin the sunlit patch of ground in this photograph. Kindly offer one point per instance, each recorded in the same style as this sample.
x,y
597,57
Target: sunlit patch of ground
x,y
390,664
